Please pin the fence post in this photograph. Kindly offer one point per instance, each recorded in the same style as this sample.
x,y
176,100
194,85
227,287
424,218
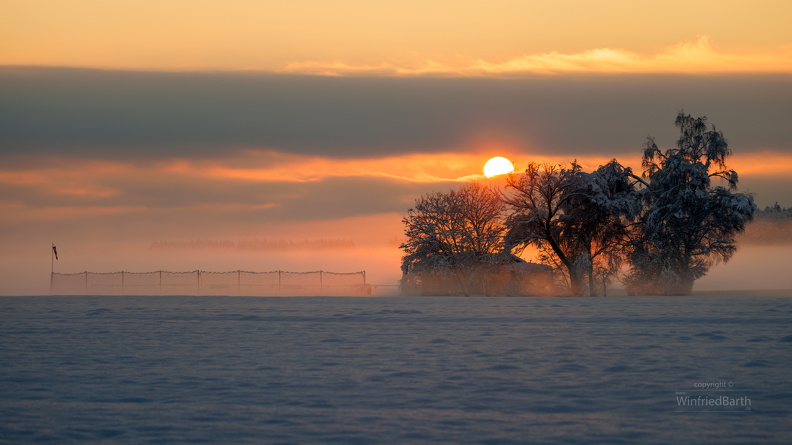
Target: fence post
x,y
321,283
365,289
198,273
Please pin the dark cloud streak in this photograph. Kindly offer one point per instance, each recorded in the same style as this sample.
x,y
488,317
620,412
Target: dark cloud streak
x,y
119,114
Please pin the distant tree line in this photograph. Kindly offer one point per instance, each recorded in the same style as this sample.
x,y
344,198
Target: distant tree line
x,y
657,232
774,212
771,226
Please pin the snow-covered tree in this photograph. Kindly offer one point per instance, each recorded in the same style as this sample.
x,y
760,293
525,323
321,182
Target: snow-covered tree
x,y
600,215
687,223
775,212
452,232
577,220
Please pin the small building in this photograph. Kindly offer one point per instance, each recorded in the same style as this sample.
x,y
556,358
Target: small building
x,y
478,273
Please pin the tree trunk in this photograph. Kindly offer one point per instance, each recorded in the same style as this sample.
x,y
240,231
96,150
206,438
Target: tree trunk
x,y
685,284
683,287
575,280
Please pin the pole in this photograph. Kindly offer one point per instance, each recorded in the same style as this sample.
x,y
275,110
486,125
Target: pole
x,y
52,267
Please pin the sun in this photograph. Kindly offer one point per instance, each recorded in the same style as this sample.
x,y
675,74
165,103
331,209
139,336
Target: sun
x,y
498,166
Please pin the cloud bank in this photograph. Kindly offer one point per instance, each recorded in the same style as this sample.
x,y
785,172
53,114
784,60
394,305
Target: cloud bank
x,y
116,114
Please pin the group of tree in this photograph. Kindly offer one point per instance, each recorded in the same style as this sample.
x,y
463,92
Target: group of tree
x,y
657,232
775,212
771,226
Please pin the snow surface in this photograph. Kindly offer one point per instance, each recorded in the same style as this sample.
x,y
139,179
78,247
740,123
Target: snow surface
x,y
393,370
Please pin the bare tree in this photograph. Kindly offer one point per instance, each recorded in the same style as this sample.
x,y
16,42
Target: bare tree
x,y
540,198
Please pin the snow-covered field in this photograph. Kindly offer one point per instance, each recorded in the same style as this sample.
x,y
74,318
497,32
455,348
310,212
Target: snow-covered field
x,y
396,370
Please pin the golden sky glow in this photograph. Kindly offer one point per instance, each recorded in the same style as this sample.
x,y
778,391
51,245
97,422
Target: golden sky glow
x,y
400,38
87,181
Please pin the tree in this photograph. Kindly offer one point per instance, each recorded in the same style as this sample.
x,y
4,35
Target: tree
x,y
600,214
538,198
577,220
452,232
686,224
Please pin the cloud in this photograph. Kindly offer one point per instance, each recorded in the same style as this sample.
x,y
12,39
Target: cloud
x,y
273,186
688,57
698,57
133,116
339,69
274,166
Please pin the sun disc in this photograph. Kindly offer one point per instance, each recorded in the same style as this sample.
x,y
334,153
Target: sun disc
x,y
498,166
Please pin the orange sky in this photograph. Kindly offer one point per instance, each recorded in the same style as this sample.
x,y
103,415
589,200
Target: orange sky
x,y
89,179
352,36
310,119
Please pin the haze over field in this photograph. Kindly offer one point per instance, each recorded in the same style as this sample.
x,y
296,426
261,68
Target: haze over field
x,y
123,126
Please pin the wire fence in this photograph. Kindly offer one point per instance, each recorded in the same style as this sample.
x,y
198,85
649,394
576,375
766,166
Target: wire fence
x,y
201,282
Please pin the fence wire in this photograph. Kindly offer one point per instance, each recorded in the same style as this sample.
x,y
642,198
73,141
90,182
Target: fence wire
x,y
201,282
